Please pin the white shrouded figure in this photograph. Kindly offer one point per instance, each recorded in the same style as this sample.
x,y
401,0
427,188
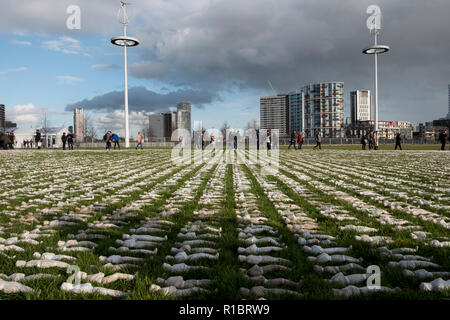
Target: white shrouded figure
x,y
125,41
374,25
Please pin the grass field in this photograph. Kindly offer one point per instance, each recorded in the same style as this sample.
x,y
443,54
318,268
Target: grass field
x,y
130,224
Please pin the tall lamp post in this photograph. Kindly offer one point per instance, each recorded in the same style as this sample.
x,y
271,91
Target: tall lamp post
x,y
374,25
125,41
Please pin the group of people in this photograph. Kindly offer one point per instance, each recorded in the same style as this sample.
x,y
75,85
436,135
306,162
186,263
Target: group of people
x,y
296,139
67,139
27,143
371,139
110,137
7,140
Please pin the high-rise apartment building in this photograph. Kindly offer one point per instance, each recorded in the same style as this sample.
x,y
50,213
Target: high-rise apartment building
x,y
324,109
156,124
296,111
78,124
360,106
2,117
274,113
448,114
184,116
170,123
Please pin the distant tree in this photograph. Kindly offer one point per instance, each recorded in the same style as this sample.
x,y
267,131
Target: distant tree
x,y
254,124
45,128
90,131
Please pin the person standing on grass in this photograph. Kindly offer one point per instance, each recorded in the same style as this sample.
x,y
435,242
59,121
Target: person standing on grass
x,y
39,144
363,141
115,139
443,139
300,141
107,139
64,140
398,141
370,139
318,140
139,140
70,140
12,140
375,140
269,140
292,140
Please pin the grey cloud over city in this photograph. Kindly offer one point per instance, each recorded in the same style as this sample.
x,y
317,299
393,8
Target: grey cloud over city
x,y
141,99
218,46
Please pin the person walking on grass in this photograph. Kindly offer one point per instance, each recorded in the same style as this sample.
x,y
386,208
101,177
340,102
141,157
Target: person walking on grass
x,y
292,140
300,141
139,140
363,141
318,140
443,139
398,141
64,140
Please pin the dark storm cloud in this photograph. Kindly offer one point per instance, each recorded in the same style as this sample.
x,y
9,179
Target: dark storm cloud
x,y
293,43
142,99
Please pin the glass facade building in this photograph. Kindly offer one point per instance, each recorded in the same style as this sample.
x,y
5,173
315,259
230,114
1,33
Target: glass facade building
x,y
324,109
296,120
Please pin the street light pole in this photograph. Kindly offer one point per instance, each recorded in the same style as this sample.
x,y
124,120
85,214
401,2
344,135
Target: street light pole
x,y
376,84
127,131
125,41
374,25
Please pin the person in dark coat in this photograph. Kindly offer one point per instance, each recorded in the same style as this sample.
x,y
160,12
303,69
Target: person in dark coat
x,y
364,141
12,141
70,140
64,140
398,141
107,139
38,136
443,139
293,139
257,139
3,141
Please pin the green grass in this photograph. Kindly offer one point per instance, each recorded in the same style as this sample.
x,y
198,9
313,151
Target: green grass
x,y
30,175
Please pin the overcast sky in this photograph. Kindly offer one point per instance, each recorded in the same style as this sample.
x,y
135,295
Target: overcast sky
x,y
218,55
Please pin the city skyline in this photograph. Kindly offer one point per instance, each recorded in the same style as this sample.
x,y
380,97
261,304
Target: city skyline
x,y
48,67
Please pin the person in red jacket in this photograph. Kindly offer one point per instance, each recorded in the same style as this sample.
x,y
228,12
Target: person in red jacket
x,y
300,140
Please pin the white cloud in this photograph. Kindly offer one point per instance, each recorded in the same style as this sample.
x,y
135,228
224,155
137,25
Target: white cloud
x,y
64,44
24,114
103,67
19,42
29,114
14,70
68,79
